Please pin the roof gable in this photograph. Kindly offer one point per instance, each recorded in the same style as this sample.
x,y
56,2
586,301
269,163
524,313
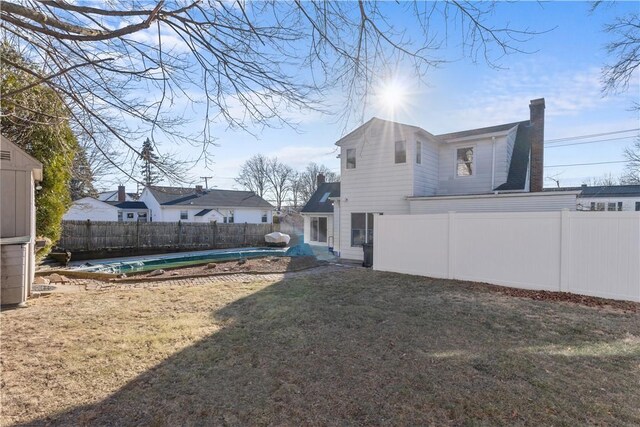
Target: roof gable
x,y
15,158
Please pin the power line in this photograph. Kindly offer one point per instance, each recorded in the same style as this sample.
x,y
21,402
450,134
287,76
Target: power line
x,y
591,142
571,138
585,164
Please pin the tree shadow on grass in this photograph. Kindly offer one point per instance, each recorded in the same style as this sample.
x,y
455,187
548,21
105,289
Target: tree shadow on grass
x,y
363,347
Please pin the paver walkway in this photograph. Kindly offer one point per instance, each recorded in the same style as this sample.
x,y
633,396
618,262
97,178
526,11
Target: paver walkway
x,y
78,284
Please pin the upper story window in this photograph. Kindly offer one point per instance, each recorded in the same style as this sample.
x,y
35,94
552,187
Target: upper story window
x,y
464,161
401,152
351,158
418,152
184,215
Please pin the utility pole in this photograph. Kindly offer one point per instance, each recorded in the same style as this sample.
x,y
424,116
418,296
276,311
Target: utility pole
x,y
206,181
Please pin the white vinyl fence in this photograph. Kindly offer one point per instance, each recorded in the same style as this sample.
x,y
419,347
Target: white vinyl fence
x,y
589,253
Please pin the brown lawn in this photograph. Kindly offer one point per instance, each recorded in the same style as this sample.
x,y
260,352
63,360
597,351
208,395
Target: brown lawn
x,y
355,347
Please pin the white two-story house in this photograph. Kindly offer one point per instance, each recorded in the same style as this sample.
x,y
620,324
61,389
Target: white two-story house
x,y
393,168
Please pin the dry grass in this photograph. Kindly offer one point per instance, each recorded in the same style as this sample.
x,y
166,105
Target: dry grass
x,y
359,347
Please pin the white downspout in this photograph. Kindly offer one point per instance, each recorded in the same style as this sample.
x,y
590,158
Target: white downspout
x,y
493,163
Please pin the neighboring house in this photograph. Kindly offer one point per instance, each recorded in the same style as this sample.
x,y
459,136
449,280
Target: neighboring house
x,y
118,195
393,168
605,197
92,209
19,175
319,215
173,204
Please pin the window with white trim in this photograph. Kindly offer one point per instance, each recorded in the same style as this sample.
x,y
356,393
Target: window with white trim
x,y
129,215
265,216
464,161
184,215
418,152
351,158
120,216
361,228
401,152
229,217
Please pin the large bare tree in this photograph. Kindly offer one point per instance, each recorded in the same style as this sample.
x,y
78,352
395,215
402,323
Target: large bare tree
x,y
253,175
279,177
125,68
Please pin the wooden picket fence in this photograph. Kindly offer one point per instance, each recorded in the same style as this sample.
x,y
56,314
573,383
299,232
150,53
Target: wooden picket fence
x,y
92,236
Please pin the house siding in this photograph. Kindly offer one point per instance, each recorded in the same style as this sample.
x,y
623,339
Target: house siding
x,y
377,184
628,203
89,208
525,202
481,180
425,175
155,211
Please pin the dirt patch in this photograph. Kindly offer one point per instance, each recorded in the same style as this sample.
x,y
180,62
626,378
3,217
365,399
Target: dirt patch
x,y
585,300
247,266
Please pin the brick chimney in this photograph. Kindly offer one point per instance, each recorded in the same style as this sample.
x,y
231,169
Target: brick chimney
x,y
122,194
320,179
536,120
198,189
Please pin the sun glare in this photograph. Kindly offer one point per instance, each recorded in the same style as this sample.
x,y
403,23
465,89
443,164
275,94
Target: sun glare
x,y
392,95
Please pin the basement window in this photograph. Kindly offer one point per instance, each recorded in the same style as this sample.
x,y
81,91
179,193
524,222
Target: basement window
x,y
351,158
464,161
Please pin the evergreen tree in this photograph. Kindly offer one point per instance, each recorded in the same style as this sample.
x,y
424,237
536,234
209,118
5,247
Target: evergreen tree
x,y
36,119
82,178
150,175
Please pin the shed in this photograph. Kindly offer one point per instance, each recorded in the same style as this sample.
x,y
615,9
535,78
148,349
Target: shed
x,y
19,173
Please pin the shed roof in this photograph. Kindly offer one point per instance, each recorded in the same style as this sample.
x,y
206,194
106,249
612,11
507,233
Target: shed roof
x,y
15,158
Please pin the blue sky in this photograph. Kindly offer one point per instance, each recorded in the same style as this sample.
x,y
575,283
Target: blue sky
x,y
564,68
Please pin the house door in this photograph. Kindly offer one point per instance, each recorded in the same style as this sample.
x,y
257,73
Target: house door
x,y
322,229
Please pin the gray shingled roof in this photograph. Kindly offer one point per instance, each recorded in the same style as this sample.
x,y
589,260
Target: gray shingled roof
x,y
318,203
127,205
517,176
480,131
169,196
603,190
